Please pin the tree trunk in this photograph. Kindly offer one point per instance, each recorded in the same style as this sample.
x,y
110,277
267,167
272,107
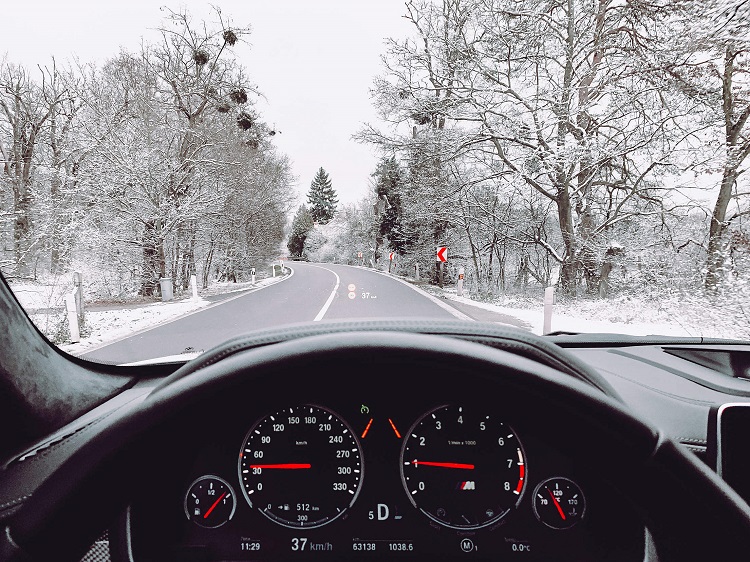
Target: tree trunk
x,y
56,242
207,264
22,226
569,267
717,243
154,264
734,156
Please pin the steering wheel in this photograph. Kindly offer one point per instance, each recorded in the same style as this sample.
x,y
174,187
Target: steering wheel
x,y
690,512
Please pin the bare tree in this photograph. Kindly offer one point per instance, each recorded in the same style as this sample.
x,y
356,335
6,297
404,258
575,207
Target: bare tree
x,y
26,107
712,71
548,94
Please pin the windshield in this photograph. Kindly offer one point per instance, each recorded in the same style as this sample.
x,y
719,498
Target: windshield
x,y
172,177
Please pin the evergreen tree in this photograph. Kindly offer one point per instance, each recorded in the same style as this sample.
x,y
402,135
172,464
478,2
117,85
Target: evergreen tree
x,y
301,227
322,198
389,183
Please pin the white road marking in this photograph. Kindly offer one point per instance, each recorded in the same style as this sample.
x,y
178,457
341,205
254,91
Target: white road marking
x,y
448,308
323,310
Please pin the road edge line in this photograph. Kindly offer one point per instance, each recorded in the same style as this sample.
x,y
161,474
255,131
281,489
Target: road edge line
x,y
448,308
180,317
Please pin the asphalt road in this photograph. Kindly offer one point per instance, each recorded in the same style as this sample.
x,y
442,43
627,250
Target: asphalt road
x,y
314,292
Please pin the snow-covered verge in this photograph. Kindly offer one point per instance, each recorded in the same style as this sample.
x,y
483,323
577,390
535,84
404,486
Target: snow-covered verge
x,y
44,302
672,315
104,326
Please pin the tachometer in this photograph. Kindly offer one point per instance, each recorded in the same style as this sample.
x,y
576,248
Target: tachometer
x,y
461,468
301,467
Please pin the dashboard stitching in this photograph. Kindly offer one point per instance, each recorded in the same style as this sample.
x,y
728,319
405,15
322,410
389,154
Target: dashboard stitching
x,y
692,440
15,502
39,453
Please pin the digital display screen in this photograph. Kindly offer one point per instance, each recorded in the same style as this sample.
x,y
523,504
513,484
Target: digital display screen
x,y
733,447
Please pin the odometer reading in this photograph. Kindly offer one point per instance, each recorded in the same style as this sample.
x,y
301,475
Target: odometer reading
x,y
301,467
463,469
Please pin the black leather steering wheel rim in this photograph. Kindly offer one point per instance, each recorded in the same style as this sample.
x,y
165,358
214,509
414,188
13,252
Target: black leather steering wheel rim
x,y
690,511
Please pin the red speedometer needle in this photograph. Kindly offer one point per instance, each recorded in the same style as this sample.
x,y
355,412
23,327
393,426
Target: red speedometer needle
x,y
285,466
210,509
557,504
415,462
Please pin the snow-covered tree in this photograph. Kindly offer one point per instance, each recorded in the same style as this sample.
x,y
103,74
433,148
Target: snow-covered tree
x,y
153,164
26,106
534,99
711,71
301,227
389,185
322,198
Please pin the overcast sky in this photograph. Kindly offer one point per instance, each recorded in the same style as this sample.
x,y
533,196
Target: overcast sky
x,y
313,60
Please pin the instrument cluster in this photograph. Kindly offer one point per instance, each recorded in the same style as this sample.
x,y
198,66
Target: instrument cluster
x,y
379,476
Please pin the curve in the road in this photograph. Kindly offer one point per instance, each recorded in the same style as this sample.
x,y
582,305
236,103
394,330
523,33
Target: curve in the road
x,y
314,292
323,310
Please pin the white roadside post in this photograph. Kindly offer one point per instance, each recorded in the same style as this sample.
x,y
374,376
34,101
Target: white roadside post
x,y
416,271
194,287
70,306
549,306
549,301
460,286
252,274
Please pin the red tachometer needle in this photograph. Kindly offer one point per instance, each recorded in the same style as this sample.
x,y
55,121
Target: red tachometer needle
x,y
286,466
364,433
210,509
415,462
557,504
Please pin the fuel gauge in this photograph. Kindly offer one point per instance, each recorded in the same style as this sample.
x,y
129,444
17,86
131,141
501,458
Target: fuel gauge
x,y
210,502
559,503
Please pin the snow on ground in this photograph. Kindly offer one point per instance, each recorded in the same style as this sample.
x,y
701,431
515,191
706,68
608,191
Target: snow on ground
x,y
586,321
34,296
567,323
105,324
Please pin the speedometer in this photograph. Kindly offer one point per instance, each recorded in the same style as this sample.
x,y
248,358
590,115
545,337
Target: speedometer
x,y
301,467
462,468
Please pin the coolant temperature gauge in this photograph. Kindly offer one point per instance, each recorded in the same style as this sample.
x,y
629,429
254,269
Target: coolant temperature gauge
x,y
559,503
210,502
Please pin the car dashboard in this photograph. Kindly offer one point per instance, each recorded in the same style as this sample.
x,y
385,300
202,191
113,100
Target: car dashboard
x,y
387,458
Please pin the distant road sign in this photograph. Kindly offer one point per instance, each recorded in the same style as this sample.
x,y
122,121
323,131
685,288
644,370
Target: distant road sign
x,y
390,256
359,254
441,254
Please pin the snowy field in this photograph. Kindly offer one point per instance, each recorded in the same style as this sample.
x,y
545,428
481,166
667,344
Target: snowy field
x,y
45,304
620,315
106,326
